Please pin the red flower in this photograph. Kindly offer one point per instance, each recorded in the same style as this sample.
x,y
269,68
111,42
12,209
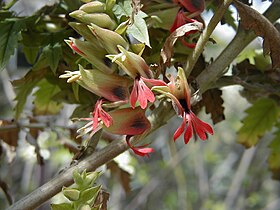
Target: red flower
x,y
178,90
194,125
140,150
100,115
142,93
180,20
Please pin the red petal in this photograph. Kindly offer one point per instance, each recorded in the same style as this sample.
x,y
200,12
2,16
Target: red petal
x,y
189,131
75,48
144,94
100,113
187,44
154,82
180,130
201,127
134,94
105,117
95,119
140,150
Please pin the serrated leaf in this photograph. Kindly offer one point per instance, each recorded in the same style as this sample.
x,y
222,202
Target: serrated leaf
x,y
139,28
53,54
252,19
274,156
62,206
24,87
8,39
50,56
44,103
261,117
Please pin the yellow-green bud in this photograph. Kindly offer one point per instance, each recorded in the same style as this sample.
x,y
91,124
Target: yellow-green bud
x,y
101,19
93,54
109,39
93,7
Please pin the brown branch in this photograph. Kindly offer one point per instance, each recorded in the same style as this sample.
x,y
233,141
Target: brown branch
x,y
208,77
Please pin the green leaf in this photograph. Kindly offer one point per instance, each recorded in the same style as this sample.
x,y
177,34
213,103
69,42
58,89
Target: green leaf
x,y
53,54
24,87
261,118
274,156
44,103
49,57
8,39
62,206
139,28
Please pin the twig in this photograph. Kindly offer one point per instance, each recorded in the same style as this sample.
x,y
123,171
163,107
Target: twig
x,y
204,37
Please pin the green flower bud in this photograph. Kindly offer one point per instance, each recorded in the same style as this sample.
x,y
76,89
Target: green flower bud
x,y
93,7
101,19
131,63
109,39
110,86
92,53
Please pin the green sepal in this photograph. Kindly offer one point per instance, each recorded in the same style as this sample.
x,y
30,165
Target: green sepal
x,y
71,194
78,178
88,196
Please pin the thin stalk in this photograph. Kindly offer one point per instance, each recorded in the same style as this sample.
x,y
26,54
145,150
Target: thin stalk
x,y
204,37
